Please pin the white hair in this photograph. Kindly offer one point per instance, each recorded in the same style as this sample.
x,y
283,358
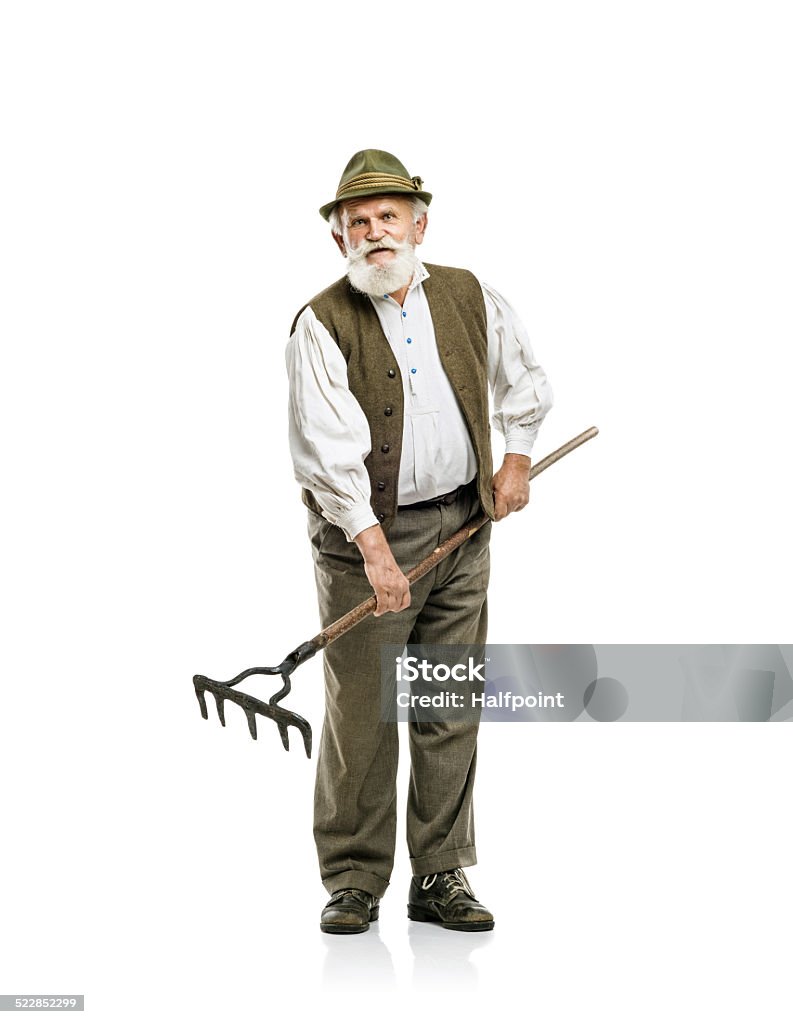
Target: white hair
x,y
337,224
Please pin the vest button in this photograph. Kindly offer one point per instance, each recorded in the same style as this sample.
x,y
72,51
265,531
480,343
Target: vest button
x,y
380,516
388,410
386,449
392,373
381,486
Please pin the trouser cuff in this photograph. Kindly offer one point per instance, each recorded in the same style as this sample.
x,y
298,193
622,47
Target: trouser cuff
x,y
447,860
365,880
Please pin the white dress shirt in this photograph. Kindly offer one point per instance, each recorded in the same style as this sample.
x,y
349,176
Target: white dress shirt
x,y
328,432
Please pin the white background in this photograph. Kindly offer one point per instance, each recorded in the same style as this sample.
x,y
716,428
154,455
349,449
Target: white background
x,y
621,172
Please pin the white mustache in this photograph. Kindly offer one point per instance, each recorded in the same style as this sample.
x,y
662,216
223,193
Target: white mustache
x,y
363,250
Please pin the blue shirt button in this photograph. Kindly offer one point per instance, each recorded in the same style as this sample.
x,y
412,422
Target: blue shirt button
x,y
413,370
409,341
404,313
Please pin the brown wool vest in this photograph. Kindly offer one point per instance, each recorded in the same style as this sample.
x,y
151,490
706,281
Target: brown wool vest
x,y
458,315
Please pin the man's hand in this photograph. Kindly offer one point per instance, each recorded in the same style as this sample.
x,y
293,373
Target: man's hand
x,y
389,583
511,485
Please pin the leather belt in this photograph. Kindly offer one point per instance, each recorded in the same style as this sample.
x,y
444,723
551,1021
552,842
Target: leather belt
x,y
443,499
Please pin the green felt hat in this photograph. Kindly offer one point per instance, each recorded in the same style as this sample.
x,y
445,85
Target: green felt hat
x,y
373,172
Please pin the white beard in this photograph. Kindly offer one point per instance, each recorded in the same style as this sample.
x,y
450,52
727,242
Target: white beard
x,y
376,280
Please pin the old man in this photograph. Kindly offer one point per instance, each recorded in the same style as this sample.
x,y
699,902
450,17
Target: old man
x,y
390,370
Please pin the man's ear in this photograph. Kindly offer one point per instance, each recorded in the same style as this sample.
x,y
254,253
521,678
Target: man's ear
x,y
340,242
421,227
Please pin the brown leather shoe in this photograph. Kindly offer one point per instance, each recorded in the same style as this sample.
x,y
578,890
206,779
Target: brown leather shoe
x,y
447,899
349,911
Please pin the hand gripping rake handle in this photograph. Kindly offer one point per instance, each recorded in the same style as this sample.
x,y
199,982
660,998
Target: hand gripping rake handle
x,y
283,718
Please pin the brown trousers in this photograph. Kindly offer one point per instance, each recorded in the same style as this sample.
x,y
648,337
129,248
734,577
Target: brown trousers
x,y
355,795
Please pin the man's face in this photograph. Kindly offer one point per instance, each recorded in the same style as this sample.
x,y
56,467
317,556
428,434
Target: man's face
x,y
379,241
372,219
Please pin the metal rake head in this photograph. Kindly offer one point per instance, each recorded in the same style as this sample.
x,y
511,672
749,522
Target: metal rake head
x,y
252,706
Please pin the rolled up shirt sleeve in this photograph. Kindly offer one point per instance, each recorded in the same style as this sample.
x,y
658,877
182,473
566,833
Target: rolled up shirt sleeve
x,y
328,432
522,394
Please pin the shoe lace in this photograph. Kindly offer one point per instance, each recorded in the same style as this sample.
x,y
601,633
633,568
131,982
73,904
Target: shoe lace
x,y
454,882
355,893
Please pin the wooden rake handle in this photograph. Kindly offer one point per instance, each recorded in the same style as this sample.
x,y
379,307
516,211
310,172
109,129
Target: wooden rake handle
x,y
360,612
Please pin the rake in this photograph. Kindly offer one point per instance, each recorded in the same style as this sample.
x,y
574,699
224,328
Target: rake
x,y
283,718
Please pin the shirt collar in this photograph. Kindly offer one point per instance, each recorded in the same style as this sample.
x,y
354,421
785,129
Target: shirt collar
x,y
421,274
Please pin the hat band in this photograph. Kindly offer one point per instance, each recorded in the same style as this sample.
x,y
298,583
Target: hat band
x,y
375,180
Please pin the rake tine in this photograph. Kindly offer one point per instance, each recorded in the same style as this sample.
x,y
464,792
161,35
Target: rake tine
x,y
201,700
221,709
251,716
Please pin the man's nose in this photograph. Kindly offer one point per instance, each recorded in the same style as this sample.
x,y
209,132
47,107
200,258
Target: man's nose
x,y
375,231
